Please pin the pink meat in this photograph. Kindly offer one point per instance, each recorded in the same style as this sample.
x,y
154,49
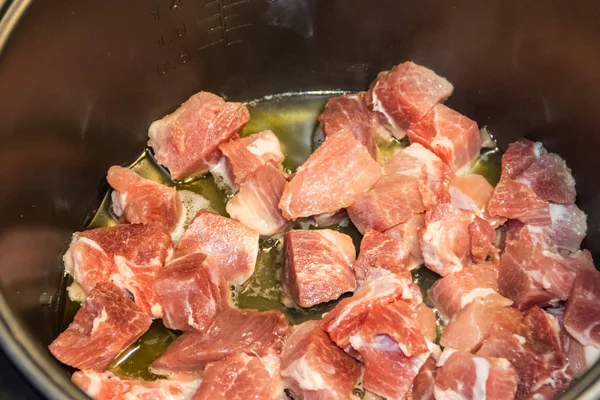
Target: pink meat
x,y
141,201
519,156
256,204
108,386
433,174
106,324
423,385
551,271
248,154
186,141
567,228
483,238
322,186
233,331
318,266
350,112
241,377
379,287
450,135
393,200
404,94
515,200
380,250
191,293
130,256
228,244
550,179
445,241
582,316
409,233
313,367
453,292
465,376
472,325
472,193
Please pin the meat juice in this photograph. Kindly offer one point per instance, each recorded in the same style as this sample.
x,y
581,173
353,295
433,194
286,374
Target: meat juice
x,y
293,118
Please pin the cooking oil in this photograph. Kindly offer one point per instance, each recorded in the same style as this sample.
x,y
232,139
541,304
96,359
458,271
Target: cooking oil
x,y
294,120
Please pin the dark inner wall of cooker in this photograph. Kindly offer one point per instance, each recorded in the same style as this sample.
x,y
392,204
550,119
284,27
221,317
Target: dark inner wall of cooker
x,y
82,80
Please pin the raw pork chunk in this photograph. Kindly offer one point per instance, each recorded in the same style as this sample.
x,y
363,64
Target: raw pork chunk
x,y
233,331
483,238
515,200
433,174
453,292
241,377
465,376
351,112
318,266
108,386
404,94
186,141
141,201
313,367
380,250
450,135
227,244
192,292
424,382
472,193
246,155
332,178
409,233
106,324
393,200
379,287
256,204
393,344
567,228
582,316
533,271
445,242
130,256
473,324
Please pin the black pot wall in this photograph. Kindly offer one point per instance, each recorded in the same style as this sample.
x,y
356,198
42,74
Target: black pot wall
x,y
81,80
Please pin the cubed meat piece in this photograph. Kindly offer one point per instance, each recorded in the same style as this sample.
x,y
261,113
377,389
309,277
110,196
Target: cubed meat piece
x,y
318,266
393,200
453,292
187,141
228,244
582,316
108,386
472,193
424,382
514,200
379,250
313,367
433,174
240,377
246,155
445,241
256,204
106,324
379,287
192,292
465,376
567,228
404,94
545,173
473,324
130,256
410,234
483,239
322,186
141,201
450,135
351,112
233,331
527,249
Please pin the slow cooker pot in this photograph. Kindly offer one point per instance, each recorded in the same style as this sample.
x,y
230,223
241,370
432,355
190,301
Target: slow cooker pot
x,y
81,80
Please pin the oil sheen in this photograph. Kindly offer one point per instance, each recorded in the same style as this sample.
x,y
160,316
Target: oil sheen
x,y
294,119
